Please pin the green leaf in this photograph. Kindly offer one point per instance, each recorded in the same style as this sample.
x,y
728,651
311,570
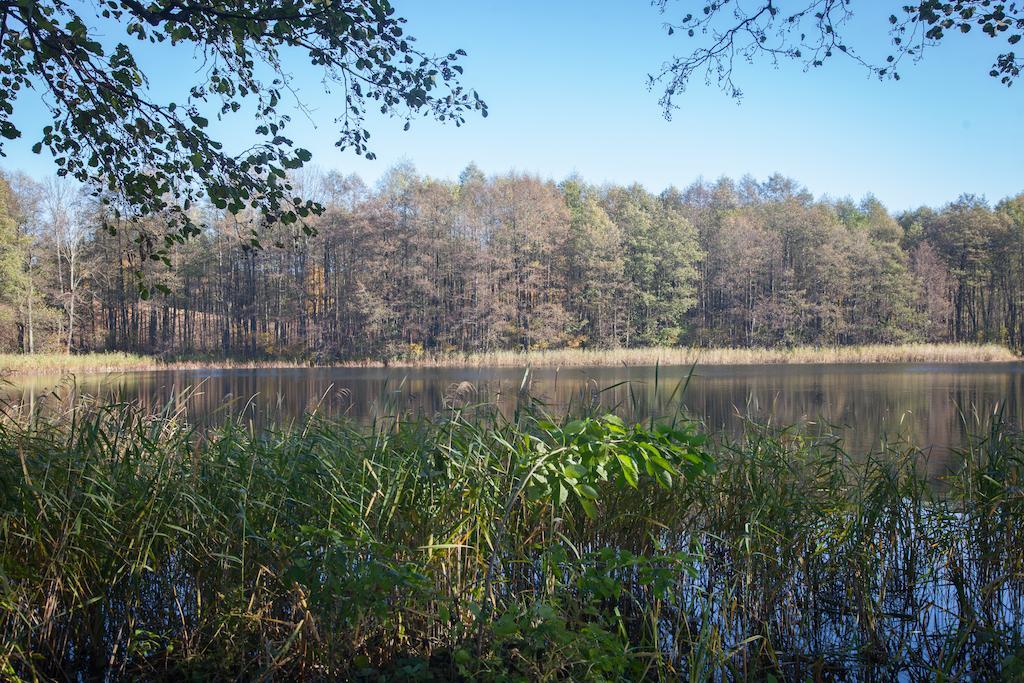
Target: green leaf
x,y
561,493
614,419
629,469
505,626
661,462
573,471
575,427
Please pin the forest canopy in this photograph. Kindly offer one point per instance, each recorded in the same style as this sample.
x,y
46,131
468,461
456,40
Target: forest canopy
x,y
422,265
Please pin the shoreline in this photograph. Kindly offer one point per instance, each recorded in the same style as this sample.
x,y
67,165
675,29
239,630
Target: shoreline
x,y
99,363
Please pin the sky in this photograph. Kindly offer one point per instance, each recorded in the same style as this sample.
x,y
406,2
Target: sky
x,y
566,86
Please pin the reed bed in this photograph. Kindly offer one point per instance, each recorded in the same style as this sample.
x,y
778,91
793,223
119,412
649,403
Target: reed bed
x,y
474,547
879,353
24,364
43,363
115,361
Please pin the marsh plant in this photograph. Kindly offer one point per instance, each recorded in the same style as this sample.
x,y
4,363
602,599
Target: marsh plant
x,y
481,547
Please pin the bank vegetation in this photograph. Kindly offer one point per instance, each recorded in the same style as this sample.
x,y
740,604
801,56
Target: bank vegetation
x,y
488,548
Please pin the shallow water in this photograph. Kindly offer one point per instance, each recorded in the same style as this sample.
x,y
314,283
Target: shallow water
x,y
927,404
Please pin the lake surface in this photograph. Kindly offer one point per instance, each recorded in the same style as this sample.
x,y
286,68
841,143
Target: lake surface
x,y
925,403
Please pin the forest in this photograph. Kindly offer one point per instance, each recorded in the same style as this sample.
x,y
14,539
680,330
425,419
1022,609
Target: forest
x,y
418,265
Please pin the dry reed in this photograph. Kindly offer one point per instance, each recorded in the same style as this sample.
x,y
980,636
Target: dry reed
x,y
24,364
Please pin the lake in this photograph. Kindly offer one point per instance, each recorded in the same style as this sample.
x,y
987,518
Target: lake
x,y
925,403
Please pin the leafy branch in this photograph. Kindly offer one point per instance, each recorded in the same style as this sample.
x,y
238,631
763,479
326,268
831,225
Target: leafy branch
x,y
154,159
736,31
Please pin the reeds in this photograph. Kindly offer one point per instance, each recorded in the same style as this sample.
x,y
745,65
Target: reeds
x,y
116,361
878,353
476,546
42,363
22,364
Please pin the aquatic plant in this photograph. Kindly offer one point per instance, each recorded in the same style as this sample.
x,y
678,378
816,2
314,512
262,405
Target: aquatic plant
x,y
475,546
684,355
29,364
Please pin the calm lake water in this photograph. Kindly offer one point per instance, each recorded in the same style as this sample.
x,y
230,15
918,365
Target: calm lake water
x,y
924,403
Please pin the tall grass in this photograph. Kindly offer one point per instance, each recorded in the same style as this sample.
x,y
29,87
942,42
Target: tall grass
x,y
22,364
476,546
116,361
40,363
876,353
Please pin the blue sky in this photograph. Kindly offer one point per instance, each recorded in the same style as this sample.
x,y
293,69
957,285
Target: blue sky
x,y
566,83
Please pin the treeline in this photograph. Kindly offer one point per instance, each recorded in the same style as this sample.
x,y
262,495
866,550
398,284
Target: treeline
x,y
418,265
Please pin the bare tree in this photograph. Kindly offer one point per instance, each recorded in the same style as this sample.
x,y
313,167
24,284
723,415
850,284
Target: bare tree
x,y
65,209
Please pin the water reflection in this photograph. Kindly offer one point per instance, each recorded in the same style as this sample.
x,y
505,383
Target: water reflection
x,y
927,404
